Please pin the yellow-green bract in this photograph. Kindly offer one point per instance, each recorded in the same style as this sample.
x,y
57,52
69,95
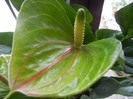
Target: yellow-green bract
x,y
44,61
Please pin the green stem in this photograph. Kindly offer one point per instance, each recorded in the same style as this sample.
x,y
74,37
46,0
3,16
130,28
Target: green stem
x,y
3,79
124,37
8,95
11,9
79,28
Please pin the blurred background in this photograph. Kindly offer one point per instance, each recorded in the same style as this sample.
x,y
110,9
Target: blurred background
x,y
109,9
7,21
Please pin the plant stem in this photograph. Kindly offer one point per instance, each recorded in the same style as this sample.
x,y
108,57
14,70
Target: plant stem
x,y
3,79
79,28
11,9
8,95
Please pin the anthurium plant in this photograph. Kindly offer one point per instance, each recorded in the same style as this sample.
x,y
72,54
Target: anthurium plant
x,y
55,54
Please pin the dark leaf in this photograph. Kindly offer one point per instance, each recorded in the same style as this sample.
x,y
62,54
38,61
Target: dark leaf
x,y
126,91
127,42
6,42
129,65
130,33
107,33
128,51
17,3
84,97
105,87
126,88
6,38
124,18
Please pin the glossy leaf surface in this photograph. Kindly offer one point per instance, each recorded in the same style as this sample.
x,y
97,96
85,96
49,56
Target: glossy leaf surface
x,y
44,61
4,62
108,33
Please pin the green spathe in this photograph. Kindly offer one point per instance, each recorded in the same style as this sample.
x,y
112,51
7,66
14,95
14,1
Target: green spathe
x,y
44,61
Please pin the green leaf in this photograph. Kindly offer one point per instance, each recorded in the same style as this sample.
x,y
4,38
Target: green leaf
x,y
128,51
130,33
126,91
93,95
17,3
127,42
84,97
124,18
106,87
121,71
4,62
121,59
4,90
5,42
126,88
44,61
106,33
71,13
6,38
19,95
119,65
88,36
127,81
129,65
127,69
